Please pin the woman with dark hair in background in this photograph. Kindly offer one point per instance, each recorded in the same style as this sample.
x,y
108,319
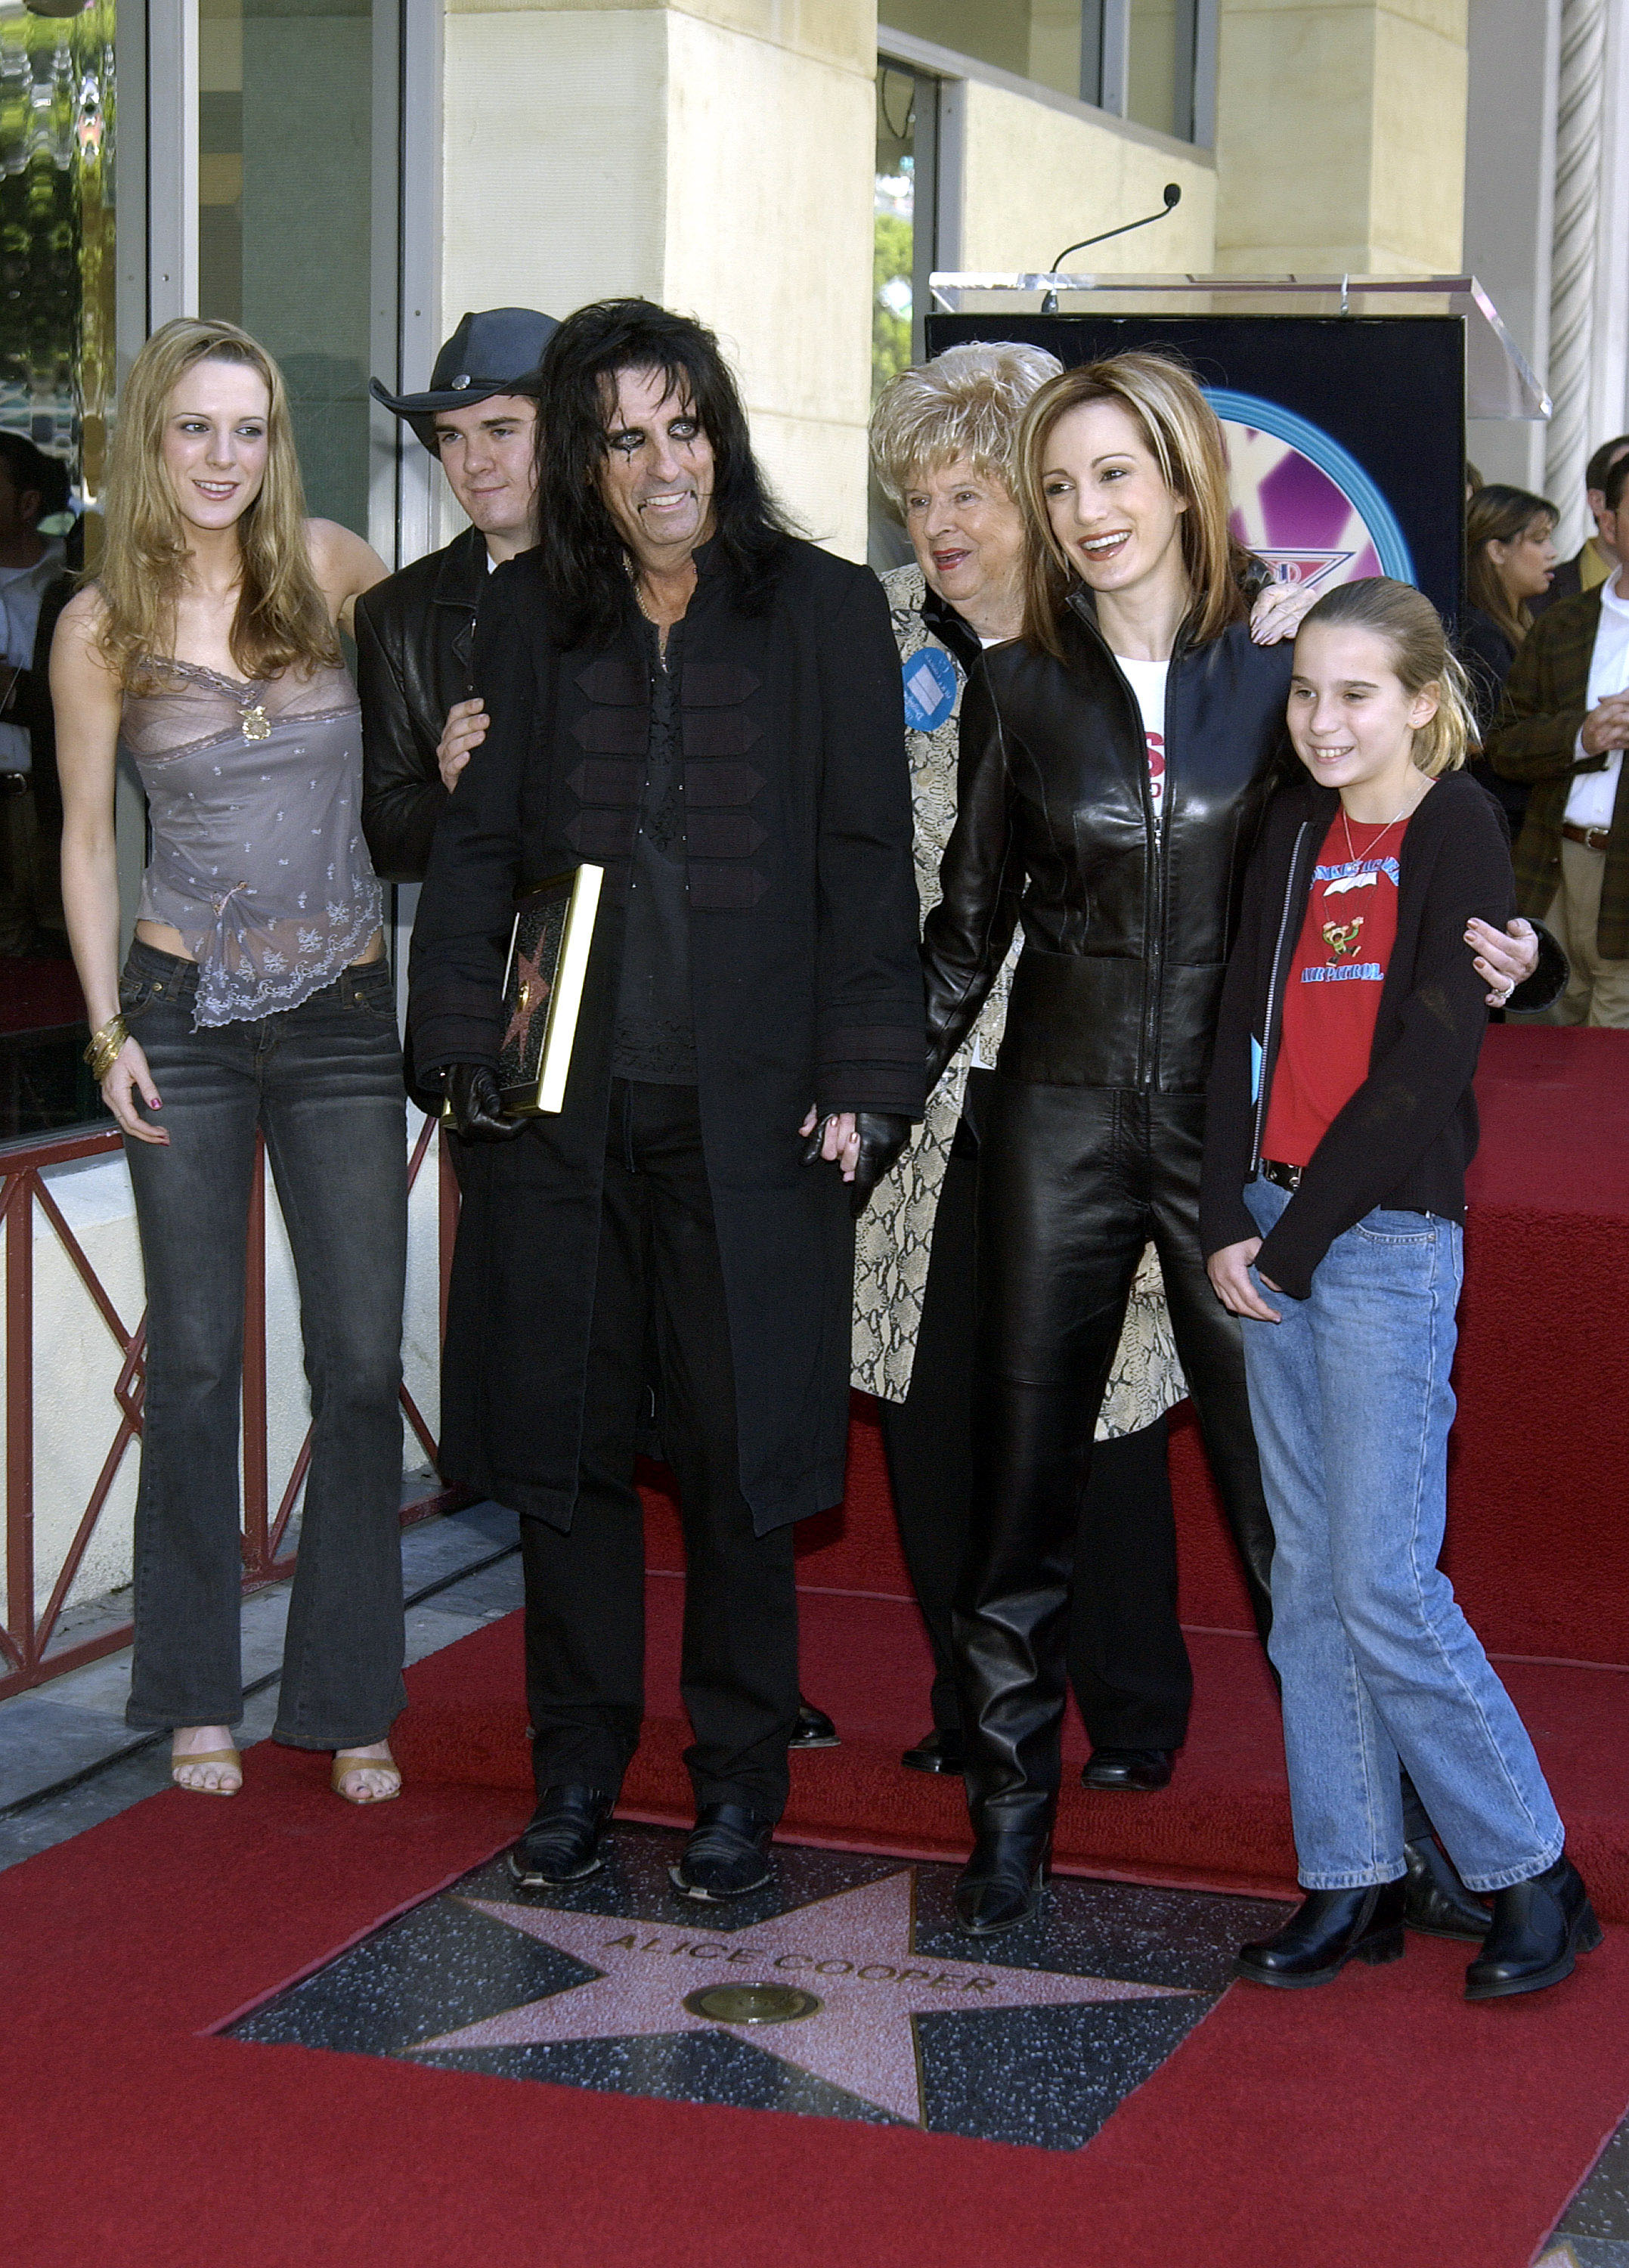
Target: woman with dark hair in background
x,y
1510,558
1135,650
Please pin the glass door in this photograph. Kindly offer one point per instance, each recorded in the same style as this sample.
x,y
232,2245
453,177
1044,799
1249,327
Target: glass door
x,y
58,332
297,127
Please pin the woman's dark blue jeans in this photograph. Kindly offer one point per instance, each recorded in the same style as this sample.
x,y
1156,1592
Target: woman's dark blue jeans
x,y
323,1083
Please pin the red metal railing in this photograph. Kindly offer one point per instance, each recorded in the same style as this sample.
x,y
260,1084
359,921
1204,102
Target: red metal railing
x,y
27,1656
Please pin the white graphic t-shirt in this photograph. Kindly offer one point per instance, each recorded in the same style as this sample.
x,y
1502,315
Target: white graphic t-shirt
x,y
1146,680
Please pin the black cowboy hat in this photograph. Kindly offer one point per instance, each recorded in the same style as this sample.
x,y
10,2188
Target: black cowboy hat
x,y
490,353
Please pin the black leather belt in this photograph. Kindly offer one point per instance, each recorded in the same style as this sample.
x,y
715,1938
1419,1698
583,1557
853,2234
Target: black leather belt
x,y
1288,1178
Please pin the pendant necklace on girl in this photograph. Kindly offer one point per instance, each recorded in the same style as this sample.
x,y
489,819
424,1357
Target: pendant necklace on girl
x,y
1342,938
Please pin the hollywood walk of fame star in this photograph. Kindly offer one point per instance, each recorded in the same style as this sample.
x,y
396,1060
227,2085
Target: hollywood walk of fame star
x,y
853,1951
532,996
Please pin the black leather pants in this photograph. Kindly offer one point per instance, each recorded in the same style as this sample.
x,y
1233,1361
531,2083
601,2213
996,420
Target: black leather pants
x,y
1128,1663
1073,1182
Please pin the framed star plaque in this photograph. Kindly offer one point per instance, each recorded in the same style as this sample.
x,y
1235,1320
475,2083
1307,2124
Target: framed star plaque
x,y
543,989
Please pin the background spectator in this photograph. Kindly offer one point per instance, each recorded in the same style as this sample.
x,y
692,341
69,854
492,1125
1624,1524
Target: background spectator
x,y
1510,557
1562,727
1595,561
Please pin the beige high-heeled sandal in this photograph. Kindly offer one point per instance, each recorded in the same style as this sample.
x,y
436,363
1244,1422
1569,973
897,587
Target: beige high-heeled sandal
x,y
227,1757
349,1761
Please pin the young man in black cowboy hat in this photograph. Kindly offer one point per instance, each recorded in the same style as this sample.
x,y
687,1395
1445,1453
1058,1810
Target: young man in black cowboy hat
x,y
416,632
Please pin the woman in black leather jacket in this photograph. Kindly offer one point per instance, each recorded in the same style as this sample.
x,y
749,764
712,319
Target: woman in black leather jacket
x,y
1114,764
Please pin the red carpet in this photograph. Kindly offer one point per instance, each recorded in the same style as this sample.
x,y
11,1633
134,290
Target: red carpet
x,y
1378,2123
1223,1823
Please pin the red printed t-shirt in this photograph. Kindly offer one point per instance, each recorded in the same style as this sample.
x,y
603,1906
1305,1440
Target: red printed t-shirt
x,y
1333,993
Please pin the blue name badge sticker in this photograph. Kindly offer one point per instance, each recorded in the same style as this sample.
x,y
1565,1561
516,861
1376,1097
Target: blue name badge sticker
x,y
930,688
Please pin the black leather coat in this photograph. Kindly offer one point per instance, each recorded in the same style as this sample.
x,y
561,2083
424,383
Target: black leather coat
x,y
415,634
1126,926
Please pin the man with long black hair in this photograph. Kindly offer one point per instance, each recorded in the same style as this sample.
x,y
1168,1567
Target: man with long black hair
x,y
683,692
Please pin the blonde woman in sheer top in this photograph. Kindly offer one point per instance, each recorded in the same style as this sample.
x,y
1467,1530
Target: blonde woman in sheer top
x,y
255,997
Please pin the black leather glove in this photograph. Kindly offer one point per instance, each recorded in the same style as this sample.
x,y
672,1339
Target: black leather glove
x,y
477,1107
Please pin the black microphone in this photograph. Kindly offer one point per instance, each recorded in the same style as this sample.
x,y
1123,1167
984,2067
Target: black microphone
x,y
1173,198
1172,193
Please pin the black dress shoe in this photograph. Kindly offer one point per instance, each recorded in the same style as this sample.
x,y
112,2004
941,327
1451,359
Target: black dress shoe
x,y
1435,1902
1327,1930
562,1843
937,1751
1000,1885
814,1729
1141,1769
1538,1926
726,1856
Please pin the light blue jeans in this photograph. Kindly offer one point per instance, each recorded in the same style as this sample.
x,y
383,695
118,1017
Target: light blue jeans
x,y
1352,1406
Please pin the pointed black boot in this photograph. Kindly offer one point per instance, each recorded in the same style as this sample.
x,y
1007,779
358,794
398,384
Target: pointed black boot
x,y
1329,1929
1000,1885
1436,1903
1539,1927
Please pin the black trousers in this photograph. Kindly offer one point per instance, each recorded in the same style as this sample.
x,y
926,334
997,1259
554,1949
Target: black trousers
x,y
659,1290
1072,1183
1127,1660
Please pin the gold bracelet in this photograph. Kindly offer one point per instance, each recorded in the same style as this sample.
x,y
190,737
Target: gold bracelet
x,y
105,1046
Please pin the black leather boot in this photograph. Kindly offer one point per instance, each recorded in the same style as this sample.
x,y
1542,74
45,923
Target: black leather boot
x,y
1000,1885
1435,1902
563,1841
1327,1929
727,1854
938,1751
1142,1770
1538,1927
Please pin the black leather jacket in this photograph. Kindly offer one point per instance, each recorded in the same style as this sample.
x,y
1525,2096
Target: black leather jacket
x,y
1127,925
414,642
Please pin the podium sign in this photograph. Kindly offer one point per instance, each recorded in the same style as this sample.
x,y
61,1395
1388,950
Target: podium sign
x,y
1346,424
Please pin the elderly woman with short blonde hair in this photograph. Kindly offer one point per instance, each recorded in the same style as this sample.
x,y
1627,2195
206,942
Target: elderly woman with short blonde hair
x,y
942,440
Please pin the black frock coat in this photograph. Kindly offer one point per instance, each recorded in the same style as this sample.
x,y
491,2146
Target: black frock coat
x,y
805,989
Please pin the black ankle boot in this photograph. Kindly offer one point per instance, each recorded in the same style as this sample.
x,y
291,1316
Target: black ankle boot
x,y
1538,1926
563,1841
1436,1903
1000,1885
1329,1929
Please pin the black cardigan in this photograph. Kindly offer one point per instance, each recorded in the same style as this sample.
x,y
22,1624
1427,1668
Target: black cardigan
x,y
1404,1139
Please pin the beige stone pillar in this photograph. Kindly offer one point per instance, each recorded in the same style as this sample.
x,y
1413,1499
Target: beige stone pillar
x,y
1340,137
715,155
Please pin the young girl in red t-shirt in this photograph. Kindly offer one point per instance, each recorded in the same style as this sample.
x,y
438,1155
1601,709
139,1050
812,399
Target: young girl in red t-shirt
x,y
1340,1123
